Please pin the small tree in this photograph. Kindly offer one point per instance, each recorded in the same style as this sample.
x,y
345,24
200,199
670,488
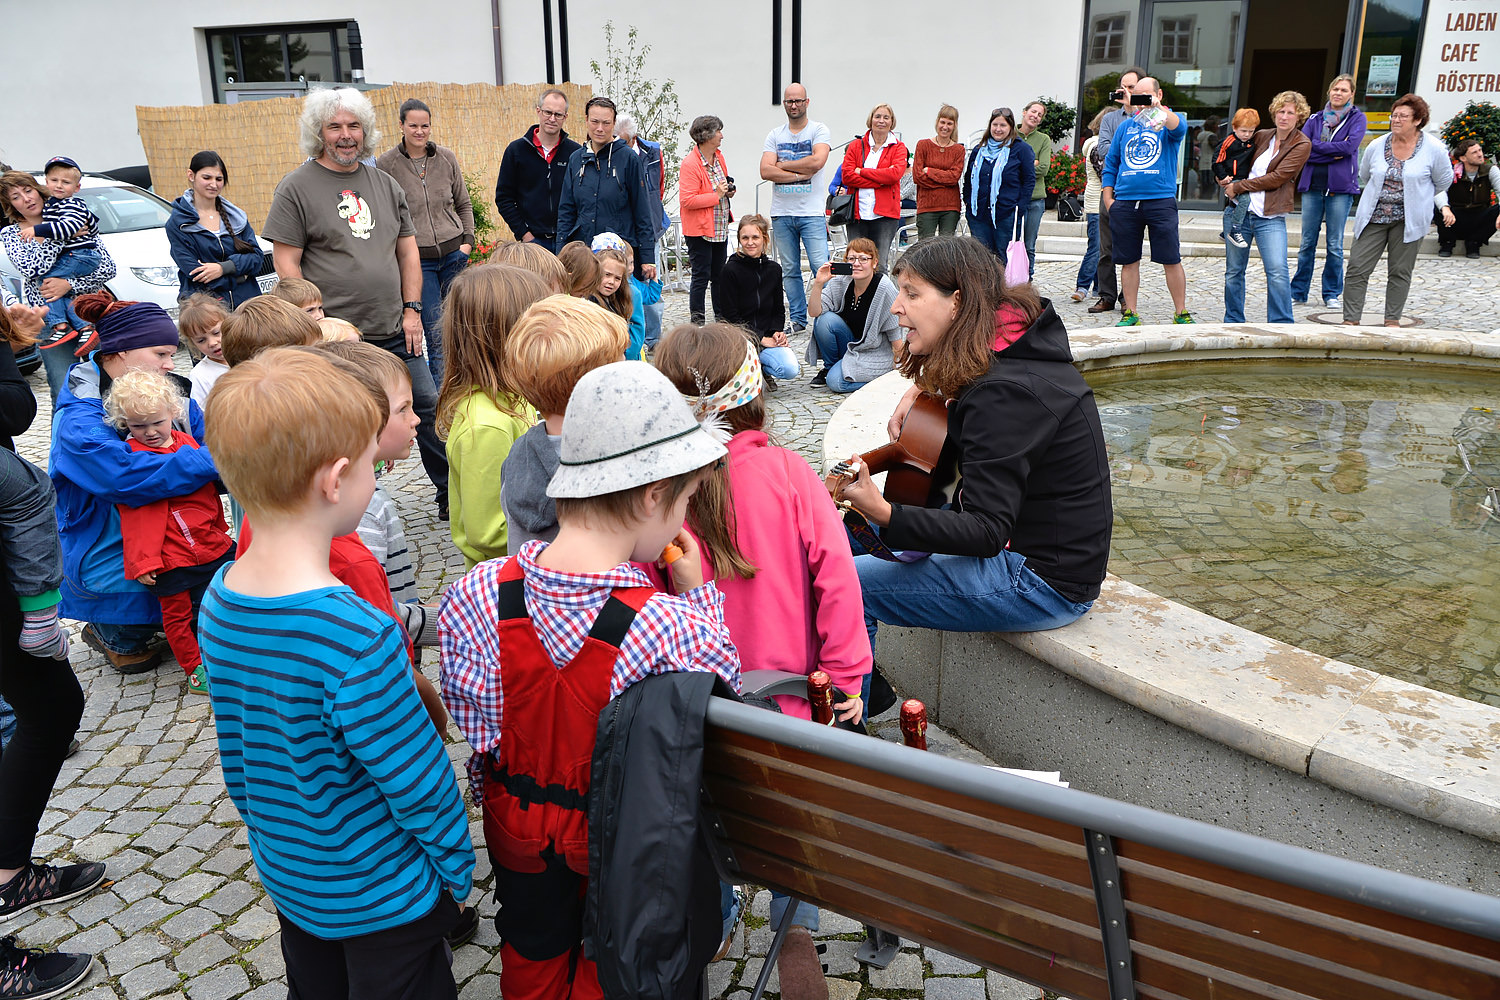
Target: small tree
x,y
1058,120
1481,121
653,103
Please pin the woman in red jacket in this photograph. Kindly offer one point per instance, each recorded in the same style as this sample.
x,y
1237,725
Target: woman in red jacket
x,y
874,164
704,188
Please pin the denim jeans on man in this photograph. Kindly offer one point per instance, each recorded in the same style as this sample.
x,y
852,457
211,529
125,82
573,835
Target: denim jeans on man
x,y
1269,235
792,233
437,274
833,337
70,264
1035,209
424,402
1088,271
1319,210
962,594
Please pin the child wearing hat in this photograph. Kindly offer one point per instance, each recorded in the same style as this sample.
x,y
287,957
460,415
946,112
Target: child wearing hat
x,y
67,219
565,627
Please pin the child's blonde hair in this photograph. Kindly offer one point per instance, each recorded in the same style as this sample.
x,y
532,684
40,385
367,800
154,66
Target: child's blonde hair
x,y
276,419
699,361
556,342
374,368
264,322
535,258
334,329
298,291
140,394
618,301
483,304
198,314
583,269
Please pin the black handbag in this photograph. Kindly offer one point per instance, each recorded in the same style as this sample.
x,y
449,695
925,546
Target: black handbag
x,y
1069,208
840,209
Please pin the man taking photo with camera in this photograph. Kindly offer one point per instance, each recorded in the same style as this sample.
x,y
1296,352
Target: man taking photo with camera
x,y
1109,292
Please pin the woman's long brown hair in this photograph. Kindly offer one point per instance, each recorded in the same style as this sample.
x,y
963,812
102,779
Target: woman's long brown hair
x,y
963,265
699,360
483,304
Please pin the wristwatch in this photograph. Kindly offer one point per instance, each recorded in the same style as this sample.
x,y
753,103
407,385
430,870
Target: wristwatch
x,y
414,306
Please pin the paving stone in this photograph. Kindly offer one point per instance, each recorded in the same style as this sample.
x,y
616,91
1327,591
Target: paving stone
x,y
947,965
752,970
84,823
186,814
228,861
720,977
233,898
254,924
953,989
103,992
1002,987
207,951
485,987
904,973
134,951
92,909
191,924
842,989
142,914
148,980
191,888
838,958
277,991
160,837
91,941
135,821
137,886
50,929
267,958
222,983
467,961
832,924
176,862
206,837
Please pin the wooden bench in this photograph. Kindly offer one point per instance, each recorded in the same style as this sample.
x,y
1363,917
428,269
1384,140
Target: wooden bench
x,y
1073,892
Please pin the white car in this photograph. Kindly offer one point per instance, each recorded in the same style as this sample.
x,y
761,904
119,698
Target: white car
x,y
132,227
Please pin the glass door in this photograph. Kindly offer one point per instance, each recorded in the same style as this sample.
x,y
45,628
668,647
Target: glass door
x,y
1192,47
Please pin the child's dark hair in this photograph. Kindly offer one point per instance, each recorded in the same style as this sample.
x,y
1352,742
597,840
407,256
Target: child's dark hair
x,y
583,269
623,508
619,301
698,361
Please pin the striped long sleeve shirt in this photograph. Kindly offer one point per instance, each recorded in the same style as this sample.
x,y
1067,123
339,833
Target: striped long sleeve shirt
x,y
354,816
70,221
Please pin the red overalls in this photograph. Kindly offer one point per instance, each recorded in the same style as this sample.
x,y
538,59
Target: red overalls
x,y
536,793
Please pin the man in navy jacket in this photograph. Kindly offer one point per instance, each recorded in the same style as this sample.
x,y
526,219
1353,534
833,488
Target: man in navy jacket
x,y
532,172
605,192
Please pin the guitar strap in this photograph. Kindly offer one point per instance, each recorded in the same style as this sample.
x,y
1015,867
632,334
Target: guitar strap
x,y
864,539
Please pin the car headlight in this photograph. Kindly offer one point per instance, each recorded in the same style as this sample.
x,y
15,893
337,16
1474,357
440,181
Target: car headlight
x,y
156,275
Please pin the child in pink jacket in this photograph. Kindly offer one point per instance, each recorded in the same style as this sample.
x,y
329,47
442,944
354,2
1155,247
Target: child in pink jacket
x,y
779,552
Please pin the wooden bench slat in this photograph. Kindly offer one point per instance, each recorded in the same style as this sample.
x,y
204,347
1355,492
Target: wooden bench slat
x,y
937,929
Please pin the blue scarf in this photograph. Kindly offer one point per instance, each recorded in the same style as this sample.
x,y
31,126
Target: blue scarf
x,y
991,151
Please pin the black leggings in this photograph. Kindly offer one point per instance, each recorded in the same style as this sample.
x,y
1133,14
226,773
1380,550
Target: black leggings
x,y
48,704
706,258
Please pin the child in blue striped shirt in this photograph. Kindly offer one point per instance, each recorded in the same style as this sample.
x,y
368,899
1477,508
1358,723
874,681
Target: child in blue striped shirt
x,y
355,821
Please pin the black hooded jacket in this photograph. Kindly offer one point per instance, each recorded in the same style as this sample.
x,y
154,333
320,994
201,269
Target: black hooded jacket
x,y
1024,463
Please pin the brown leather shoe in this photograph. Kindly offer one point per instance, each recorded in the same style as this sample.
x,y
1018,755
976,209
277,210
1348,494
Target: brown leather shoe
x,y
125,663
1102,306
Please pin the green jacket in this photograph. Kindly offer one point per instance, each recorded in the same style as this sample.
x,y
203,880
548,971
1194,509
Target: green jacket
x,y
1041,145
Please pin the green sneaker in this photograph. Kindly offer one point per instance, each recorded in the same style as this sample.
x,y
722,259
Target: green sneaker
x,y
1183,317
1131,318
198,680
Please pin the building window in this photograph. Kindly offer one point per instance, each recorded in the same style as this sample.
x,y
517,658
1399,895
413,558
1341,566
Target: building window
x,y
1234,37
1176,40
277,53
1107,42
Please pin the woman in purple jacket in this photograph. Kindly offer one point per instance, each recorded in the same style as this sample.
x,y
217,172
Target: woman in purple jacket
x,y
1329,184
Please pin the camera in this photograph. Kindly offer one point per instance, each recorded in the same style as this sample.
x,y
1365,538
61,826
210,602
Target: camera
x,y
1142,99
1118,95
730,182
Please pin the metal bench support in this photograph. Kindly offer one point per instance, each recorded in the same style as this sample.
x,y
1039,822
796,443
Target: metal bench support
x,y
1105,869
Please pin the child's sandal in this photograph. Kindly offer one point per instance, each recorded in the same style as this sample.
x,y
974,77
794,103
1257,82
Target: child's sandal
x,y
198,680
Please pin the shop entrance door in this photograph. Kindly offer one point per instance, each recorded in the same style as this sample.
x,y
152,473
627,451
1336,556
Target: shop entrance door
x,y
1193,48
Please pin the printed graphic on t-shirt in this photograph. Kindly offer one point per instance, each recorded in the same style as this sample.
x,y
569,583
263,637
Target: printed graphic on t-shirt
x,y
798,150
357,212
1143,149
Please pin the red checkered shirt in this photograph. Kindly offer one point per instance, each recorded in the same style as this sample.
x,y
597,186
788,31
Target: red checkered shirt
x,y
670,633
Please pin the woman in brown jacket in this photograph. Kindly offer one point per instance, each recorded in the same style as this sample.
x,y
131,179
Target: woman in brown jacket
x,y
936,170
1271,186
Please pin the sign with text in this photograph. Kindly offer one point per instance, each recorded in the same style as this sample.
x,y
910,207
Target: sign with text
x,y
1460,58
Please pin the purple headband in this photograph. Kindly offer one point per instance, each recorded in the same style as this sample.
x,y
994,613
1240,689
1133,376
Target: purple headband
x,y
140,324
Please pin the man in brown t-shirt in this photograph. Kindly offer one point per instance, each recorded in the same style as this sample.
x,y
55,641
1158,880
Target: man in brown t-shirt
x,y
342,223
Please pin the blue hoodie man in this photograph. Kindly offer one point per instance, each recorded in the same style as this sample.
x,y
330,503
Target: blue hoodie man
x,y
233,247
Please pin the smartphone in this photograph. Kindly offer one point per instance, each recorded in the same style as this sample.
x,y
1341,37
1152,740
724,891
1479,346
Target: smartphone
x,y
1117,95
841,267
1142,99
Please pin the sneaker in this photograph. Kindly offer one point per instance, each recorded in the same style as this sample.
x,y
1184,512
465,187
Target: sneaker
x,y
1131,318
125,663
771,385
468,925
36,884
1239,241
821,378
1299,302
1183,317
1333,303
36,975
198,680
57,336
1472,253
1079,295
1445,251
797,327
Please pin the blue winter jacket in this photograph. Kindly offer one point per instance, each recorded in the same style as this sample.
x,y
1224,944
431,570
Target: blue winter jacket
x,y
606,193
94,468
193,245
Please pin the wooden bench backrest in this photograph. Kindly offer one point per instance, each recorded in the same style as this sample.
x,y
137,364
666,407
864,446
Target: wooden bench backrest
x,y
996,869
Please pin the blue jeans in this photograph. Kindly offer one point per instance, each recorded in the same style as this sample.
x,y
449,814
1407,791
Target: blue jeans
x,y
125,638
779,362
833,337
653,321
7,722
1035,209
1270,236
1235,214
806,915
424,401
962,594
70,264
1319,210
56,361
792,233
437,274
997,241
1088,271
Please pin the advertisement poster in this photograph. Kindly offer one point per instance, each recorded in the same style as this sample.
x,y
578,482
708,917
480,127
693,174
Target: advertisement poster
x,y
1382,79
1460,57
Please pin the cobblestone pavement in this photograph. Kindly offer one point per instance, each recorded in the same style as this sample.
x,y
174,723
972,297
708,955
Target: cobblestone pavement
x,y
185,916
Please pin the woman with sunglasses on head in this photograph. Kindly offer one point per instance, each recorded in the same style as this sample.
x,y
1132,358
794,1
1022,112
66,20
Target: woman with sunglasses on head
x,y
997,182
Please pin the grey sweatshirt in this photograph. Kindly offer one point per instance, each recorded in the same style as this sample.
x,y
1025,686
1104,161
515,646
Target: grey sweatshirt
x,y
529,511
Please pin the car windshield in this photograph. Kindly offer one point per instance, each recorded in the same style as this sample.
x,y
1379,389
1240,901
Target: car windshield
x,y
125,209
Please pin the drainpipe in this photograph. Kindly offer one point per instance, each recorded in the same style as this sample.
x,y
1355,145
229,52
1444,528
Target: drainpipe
x,y
356,54
495,30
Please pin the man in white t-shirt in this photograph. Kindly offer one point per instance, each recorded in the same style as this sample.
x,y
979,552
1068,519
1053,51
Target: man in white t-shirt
x,y
793,159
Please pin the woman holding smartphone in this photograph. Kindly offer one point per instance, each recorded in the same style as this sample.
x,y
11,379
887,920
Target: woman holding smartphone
x,y
857,299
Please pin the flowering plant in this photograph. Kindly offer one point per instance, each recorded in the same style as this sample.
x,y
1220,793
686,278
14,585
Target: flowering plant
x,y
1482,121
1066,174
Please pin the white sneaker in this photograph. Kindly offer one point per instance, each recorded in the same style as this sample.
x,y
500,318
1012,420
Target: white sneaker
x,y
1333,303
1238,240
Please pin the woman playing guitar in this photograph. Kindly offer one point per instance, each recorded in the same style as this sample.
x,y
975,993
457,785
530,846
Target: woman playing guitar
x,y
1018,514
